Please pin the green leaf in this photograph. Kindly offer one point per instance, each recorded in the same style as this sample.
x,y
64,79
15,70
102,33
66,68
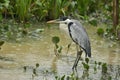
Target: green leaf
x,y
100,31
1,17
99,63
93,22
55,39
104,68
37,65
56,46
86,66
69,45
87,60
60,49
1,43
62,78
56,77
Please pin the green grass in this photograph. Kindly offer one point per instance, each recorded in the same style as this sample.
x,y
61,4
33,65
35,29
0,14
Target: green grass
x,y
23,9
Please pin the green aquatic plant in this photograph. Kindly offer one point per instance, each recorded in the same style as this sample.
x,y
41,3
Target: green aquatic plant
x,y
37,65
100,31
67,77
86,66
95,67
85,76
87,60
55,40
25,68
57,48
99,64
23,9
104,68
1,43
60,78
34,71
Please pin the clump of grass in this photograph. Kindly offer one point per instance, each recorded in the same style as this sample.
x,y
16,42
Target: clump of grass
x,y
85,64
104,68
100,31
22,9
67,77
95,67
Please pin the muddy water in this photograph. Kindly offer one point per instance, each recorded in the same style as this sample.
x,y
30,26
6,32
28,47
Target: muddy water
x,y
17,60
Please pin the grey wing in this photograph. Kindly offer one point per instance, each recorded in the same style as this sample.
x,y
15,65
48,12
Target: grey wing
x,y
79,36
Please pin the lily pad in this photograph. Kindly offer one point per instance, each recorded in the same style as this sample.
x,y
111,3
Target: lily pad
x,y
55,39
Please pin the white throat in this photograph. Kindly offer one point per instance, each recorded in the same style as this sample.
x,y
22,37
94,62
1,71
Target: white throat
x,y
68,21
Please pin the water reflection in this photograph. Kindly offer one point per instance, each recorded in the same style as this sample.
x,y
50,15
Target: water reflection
x,y
53,64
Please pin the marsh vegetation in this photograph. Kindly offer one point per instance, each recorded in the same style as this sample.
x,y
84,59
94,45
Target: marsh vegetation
x,y
30,49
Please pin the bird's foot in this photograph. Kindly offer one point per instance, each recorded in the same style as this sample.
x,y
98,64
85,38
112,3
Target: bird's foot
x,y
74,68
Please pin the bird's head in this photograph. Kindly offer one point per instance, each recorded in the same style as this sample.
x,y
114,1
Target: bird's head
x,y
61,20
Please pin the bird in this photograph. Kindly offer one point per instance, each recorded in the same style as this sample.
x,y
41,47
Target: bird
x,y
79,36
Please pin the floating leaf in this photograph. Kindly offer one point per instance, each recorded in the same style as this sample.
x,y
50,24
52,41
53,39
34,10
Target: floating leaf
x,y
87,60
62,78
95,62
25,68
1,43
56,77
95,69
55,39
37,65
99,63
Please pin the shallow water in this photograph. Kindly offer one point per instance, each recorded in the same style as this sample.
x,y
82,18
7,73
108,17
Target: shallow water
x,y
15,56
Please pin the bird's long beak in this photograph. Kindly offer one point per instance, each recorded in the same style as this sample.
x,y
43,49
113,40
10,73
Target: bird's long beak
x,y
54,21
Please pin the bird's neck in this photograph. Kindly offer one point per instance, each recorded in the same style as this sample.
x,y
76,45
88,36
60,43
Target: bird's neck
x,y
70,23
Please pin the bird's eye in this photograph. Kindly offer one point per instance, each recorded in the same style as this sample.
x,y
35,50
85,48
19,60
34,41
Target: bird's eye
x,y
65,22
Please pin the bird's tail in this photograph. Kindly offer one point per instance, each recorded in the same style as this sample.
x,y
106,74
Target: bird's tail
x,y
88,53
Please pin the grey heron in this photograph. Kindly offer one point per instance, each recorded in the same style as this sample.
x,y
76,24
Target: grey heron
x,y
79,36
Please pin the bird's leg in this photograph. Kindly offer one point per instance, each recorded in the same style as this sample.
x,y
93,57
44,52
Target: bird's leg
x,y
77,60
74,66
79,56
79,53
